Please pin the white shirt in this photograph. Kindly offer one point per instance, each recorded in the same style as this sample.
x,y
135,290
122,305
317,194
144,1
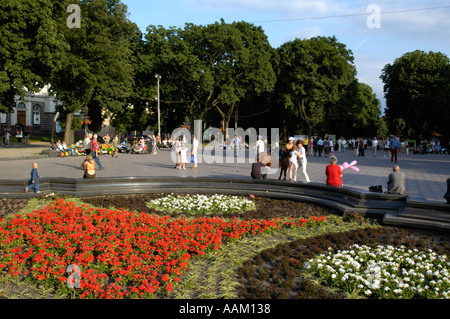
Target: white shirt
x,y
293,157
301,153
260,146
194,145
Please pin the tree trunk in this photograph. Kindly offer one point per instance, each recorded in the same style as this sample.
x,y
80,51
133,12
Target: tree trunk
x,y
305,117
69,133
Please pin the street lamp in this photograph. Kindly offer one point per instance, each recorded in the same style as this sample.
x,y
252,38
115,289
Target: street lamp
x,y
86,119
158,77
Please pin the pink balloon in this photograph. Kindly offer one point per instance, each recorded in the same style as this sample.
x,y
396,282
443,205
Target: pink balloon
x,y
346,165
356,169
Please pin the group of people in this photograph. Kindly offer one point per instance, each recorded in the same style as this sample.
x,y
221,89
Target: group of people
x,y
297,157
392,146
180,148
296,154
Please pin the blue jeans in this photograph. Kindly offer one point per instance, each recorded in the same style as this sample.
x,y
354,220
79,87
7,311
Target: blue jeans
x,y
97,160
34,185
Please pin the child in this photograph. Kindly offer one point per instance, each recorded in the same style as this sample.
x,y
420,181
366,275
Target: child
x,y
293,162
183,156
34,181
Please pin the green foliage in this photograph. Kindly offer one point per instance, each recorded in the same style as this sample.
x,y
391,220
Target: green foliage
x,y
417,87
209,67
312,74
98,64
31,47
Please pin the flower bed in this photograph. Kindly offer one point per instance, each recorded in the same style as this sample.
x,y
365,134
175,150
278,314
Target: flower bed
x,y
280,273
115,253
385,271
202,204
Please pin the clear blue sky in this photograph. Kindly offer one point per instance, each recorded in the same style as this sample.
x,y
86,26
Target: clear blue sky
x,y
402,25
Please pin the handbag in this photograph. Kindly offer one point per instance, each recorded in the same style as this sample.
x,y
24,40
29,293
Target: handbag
x,y
376,189
192,158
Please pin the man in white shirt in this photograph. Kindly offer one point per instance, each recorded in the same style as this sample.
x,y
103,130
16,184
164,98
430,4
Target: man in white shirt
x,y
87,144
374,146
259,146
343,144
194,150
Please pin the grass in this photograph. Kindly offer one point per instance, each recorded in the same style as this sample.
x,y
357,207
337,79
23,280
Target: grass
x,y
218,274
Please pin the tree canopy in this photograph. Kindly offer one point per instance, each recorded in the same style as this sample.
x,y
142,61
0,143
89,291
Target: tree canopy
x,y
213,72
312,74
31,47
417,91
97,67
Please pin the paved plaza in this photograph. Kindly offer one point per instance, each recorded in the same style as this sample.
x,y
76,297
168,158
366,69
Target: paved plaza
x,y
426,174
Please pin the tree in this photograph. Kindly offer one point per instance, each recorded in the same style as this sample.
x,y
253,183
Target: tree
x,y
356,113
313,74
210,67
31,47
417,90
97,68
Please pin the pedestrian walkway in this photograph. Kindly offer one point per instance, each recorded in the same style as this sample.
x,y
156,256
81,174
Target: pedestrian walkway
x,y
426,174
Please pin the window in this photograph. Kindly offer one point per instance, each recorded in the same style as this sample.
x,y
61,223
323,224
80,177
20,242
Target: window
x,y
37,114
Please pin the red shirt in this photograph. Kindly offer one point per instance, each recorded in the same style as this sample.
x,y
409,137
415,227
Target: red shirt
x,y
334,174
95,146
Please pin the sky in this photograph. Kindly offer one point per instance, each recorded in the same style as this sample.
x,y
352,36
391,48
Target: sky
x,y
376,31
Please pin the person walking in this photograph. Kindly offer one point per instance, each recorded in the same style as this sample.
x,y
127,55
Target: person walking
x,y
394,149
302,159
236,142
361,146
115,143
95,149
293,163
183,154
34,180
320,143
6,138
259,146
177,150
194,150
386,147
87,144
374,146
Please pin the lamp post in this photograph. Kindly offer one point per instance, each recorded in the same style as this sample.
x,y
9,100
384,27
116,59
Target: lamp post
x,y
158,78
86,120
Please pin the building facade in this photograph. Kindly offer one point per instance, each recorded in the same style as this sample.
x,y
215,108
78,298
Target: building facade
x,y
35,113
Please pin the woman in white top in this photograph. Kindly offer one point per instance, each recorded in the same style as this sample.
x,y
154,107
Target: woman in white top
x,y
293,162
303,160
183,154
177,151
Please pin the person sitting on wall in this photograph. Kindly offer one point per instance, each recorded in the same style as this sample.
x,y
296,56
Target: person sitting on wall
x,y
256,169
447,194
333,173
396,182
